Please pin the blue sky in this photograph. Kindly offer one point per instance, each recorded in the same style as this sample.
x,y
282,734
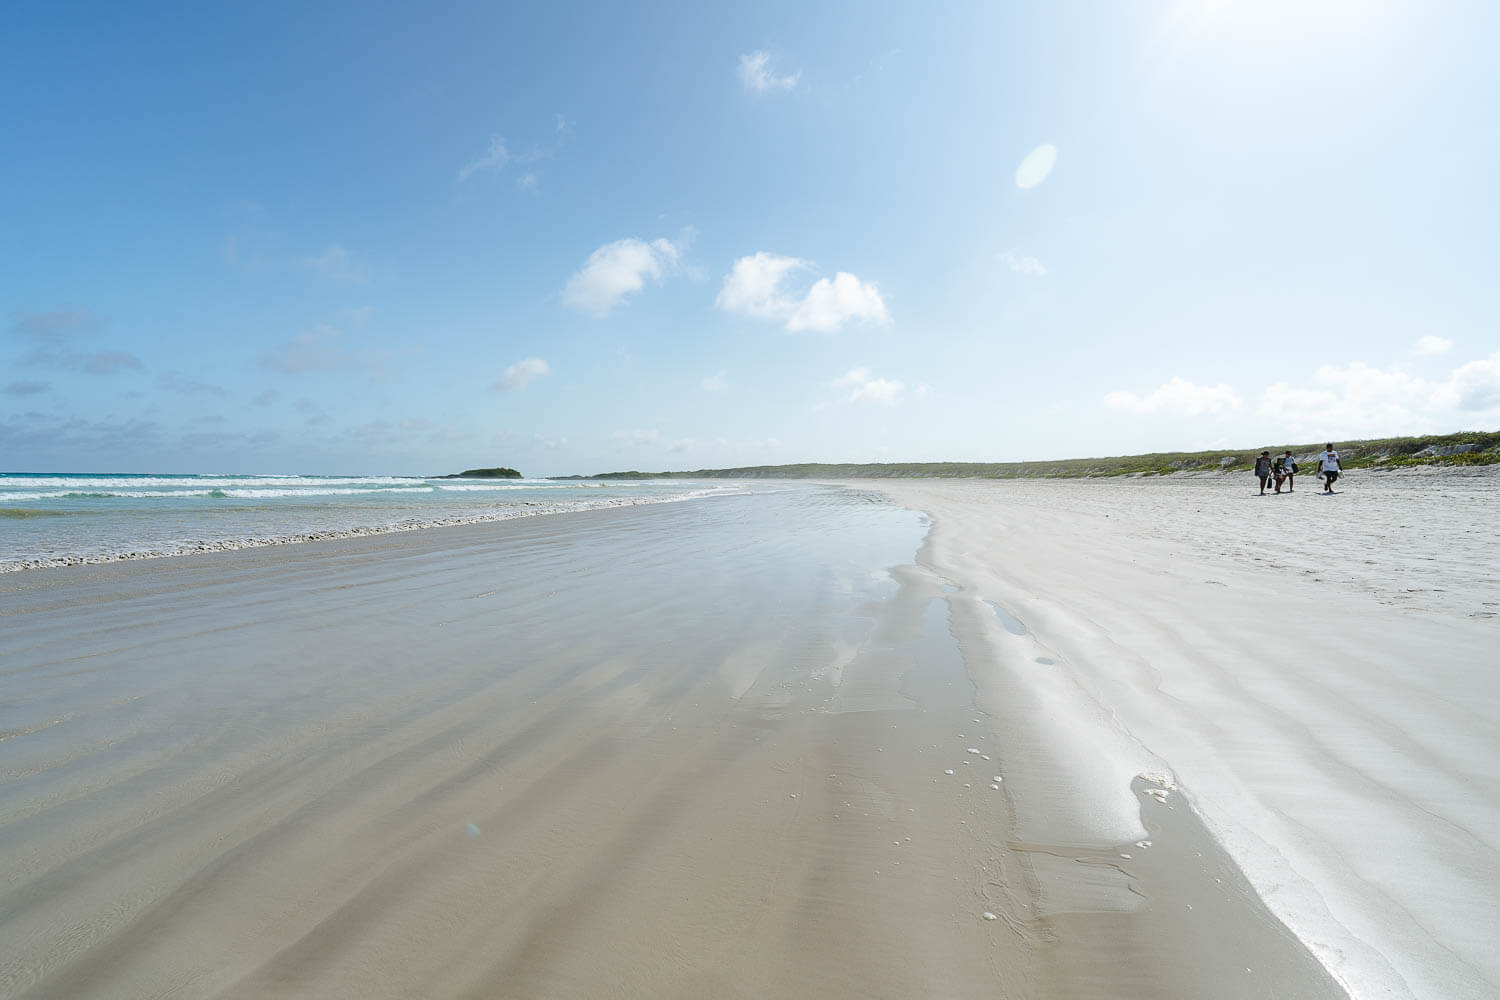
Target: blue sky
x,y
574,238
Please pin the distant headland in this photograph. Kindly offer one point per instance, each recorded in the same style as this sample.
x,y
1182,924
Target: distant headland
x,y
1464,448
497,473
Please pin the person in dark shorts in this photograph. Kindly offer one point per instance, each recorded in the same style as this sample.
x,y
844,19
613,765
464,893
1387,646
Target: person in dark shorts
x,y
1328,467
1263,470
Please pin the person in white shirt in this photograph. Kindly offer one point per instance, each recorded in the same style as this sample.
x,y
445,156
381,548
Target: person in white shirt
x,y
1328,467
1290,465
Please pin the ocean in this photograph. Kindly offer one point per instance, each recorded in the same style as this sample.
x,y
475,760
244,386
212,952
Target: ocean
x,y
57,519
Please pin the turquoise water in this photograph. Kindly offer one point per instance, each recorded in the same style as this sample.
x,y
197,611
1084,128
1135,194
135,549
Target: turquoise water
x,y
49,519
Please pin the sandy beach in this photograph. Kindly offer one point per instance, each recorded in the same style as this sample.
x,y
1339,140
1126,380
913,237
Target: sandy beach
x,y
1316,673
905,739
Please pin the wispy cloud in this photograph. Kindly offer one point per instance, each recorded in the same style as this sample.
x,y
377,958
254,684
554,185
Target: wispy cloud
x,y
314,349
754,288
620,269
758,75
636,437
47,436
313,414
55,325
174,382
519,374
25,388
1430,345
1178,397
864,385
336,264
1021,264
266,397
499,155
53,336
495,158
321,348
96,363
717,382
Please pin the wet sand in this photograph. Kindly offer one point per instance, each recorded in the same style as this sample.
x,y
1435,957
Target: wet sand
x,y
677,751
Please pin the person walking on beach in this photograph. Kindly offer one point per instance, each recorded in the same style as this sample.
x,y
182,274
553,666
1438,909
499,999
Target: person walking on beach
x,y
1263,470
1328,467
1290,464
1278,471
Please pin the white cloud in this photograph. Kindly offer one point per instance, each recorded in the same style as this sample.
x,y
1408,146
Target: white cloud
x,y
495,158
636,437
754,288
527,182
1360,401
717,382
1037,165
758,76
1029,266
517,375
621,268
862,384
564,129
831,304
1179,397
335,264
682,444
1433,345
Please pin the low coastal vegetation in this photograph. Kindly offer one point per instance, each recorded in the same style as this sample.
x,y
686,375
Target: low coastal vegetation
x,y
1467,448
499,472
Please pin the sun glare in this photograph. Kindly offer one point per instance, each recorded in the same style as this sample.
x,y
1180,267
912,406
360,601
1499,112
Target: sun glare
x,y
1037,165
1269,20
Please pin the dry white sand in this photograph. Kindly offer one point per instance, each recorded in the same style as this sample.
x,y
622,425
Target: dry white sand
x,y
1319,674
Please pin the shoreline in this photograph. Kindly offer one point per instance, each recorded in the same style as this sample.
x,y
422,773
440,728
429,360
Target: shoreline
x,y
1399,475
537,508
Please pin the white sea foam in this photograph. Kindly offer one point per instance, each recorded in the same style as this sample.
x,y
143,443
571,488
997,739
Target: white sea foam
x,y
302,523
480,488
239,494
91,483
267,494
